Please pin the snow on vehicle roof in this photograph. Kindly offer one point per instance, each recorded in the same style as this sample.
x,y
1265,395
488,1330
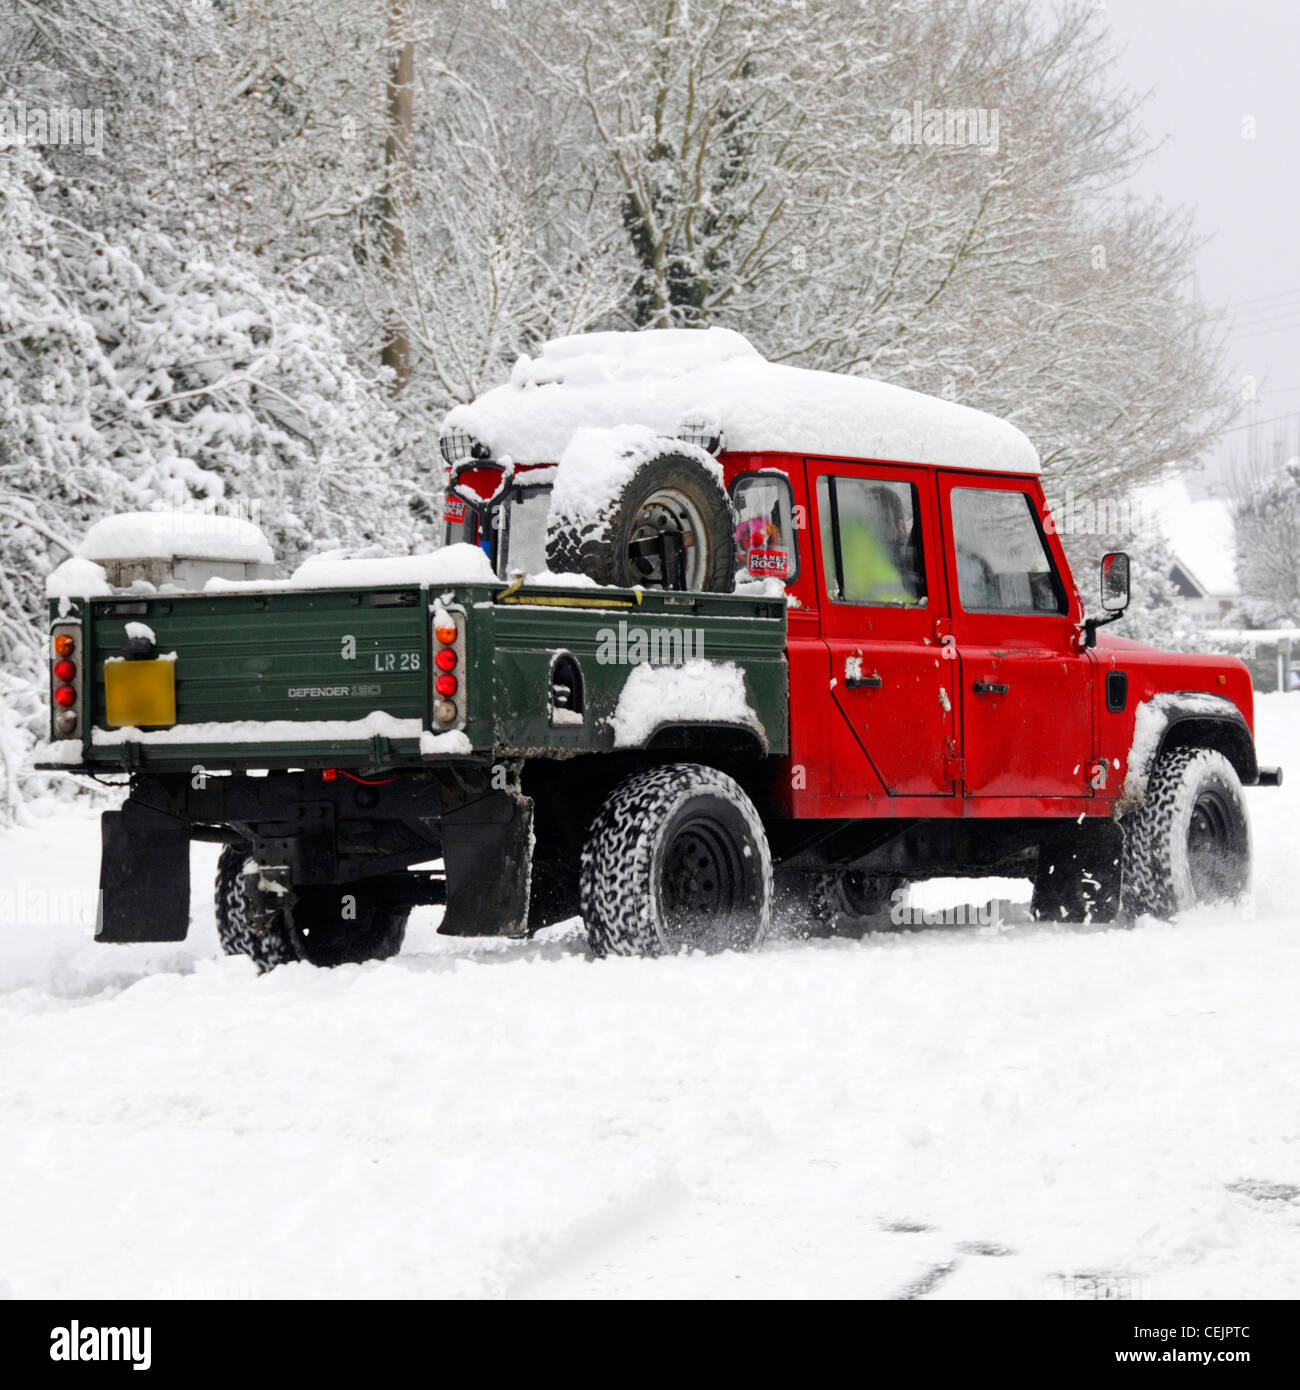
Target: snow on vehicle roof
x,y
658,377
175,535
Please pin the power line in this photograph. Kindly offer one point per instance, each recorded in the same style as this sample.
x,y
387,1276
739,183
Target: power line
x,y
1267,320
1263,332
1253,424
1276,294
1263,320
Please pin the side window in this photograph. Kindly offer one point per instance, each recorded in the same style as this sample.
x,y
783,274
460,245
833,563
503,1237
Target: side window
x,y
872,550
766,545
461,524
1003,564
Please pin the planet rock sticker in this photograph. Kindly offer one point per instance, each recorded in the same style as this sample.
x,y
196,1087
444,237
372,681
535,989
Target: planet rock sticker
x,y
769,564
453,510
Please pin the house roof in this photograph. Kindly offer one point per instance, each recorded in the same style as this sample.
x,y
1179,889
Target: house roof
x,y
1200,533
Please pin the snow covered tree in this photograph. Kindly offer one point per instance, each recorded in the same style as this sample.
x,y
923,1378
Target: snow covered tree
x,y
138,373
1267,524
775,171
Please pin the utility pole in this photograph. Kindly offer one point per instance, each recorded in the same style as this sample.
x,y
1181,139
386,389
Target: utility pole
x,y
397,187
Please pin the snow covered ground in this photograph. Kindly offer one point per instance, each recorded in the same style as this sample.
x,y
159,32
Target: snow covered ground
x,y
1016,1111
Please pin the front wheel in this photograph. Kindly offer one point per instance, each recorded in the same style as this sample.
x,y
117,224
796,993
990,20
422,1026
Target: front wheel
x,y
345,924
1189,842
676,859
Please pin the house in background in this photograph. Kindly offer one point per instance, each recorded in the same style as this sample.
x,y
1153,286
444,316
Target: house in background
x,y
1200,532
1202,536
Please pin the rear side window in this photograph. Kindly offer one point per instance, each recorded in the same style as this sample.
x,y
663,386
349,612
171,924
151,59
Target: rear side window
x,y
766,547
1003,564
460,523
871,541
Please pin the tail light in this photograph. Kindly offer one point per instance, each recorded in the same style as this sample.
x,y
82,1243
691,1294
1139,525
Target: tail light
x,y
448,657
66,681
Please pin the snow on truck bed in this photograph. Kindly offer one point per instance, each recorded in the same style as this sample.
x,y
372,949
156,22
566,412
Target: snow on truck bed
x,y
658,377
453,564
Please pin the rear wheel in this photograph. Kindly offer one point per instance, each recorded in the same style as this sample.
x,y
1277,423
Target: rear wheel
x,y
676,859
1189,842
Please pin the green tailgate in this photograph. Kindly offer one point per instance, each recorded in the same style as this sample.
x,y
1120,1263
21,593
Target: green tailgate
x,y
320,656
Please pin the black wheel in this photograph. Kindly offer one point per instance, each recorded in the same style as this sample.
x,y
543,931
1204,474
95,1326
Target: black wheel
x,y
671,526
1189,842
676,859
249,923
847,902
345,924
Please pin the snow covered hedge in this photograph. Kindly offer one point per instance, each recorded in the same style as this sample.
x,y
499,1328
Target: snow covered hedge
x,y
140,372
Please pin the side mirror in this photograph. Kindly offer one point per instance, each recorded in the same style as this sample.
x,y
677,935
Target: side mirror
x,y
1114,594
1115,582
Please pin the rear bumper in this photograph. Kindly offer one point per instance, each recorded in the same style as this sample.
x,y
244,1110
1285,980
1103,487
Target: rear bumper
x,y
1269,777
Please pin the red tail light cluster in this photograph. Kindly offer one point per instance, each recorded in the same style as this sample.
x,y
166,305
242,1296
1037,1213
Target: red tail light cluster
x,y
449,651
65,681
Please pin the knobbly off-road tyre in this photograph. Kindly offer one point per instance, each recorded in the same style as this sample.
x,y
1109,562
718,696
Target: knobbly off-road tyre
x,y
238,907
323,925
676,859
1189,842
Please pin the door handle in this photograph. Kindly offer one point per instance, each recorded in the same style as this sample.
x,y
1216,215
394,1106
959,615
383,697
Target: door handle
x,y
990,688
872,682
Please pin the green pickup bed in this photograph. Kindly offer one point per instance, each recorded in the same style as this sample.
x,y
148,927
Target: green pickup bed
x,y
335,739
345,677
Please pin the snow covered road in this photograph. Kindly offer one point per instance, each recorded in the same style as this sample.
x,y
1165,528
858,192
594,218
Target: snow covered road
x,y
1021,1111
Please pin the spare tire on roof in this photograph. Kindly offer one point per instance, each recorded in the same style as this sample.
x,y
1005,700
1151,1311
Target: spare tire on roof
x,y
668,525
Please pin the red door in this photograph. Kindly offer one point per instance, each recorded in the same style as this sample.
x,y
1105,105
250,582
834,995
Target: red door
x,y
882,601
1026,689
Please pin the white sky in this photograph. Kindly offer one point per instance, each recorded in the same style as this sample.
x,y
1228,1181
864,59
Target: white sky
x,y
1210,64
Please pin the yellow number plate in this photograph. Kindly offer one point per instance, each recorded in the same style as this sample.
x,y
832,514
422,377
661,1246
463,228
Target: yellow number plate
x,y
140,692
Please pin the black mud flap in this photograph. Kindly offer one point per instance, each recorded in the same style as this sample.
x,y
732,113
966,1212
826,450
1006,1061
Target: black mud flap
x,y
1080,869
144,876
488,854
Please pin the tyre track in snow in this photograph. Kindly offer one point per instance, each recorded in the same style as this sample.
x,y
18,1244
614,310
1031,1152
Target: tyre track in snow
x,y
821,1119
